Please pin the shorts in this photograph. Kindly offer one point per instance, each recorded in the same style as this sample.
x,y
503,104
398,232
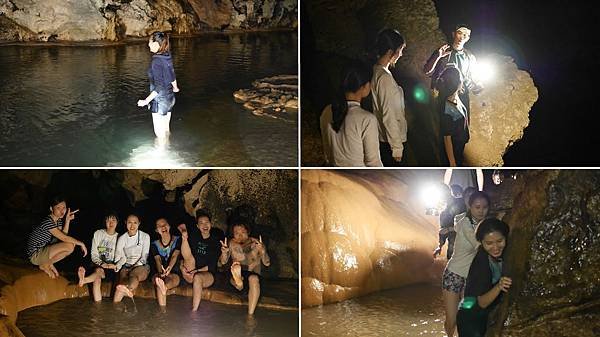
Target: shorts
x,y
41,256
109,274
453,282
162,104
245,275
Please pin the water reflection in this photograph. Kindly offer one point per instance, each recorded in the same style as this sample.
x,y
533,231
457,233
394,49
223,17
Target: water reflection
x,y
81,317
76,106
410,311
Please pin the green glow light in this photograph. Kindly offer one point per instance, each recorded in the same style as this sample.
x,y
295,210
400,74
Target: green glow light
x,y
420,95
468,302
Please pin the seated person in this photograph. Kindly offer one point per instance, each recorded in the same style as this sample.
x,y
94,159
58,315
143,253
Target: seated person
x,y
200,250
247,255
103,256
165,252
131,257
49,243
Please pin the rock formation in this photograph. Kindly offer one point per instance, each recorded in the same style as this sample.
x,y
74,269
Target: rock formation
x,y
363,232
335,32
554,256
113,20
270,96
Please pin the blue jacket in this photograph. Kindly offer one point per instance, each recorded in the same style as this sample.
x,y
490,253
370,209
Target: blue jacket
x,y
161,74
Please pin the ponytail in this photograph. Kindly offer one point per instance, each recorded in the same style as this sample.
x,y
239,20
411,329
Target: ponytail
x,y
354,77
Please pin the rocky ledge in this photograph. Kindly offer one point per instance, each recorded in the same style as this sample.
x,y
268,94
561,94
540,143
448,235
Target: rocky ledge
x,y
22,286
270,96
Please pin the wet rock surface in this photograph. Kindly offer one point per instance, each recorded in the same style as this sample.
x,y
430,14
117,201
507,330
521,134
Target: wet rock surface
x,y
554,256
339,31
271,96
113,20
360,234
22,286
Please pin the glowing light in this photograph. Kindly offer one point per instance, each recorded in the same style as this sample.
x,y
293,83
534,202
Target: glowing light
x,y
484,71
420,94
153,156
431,196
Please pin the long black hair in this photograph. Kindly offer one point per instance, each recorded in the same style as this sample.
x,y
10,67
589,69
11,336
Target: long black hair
x,y
387,39
491,225
447,84
354,77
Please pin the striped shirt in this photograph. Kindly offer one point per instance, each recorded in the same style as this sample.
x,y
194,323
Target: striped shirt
x,y
41,237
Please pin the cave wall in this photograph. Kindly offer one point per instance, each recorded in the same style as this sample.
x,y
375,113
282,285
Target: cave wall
x,y
361,233
113,20
499,114
553,256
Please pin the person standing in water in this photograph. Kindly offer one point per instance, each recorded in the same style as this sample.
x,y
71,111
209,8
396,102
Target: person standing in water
x,y
465,248
104,244
163,85
49,242
388,98
248,254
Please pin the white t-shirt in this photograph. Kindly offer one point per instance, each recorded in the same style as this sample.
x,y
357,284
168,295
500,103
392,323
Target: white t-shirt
x,y
357,142
103,247
132,250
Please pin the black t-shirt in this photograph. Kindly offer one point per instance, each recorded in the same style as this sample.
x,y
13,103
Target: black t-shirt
x,y
206,251
165,252
452,123
479,280
455,207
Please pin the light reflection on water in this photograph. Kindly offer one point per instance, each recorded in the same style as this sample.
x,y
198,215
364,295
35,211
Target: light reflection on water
x,y
81,317
76,106
409,311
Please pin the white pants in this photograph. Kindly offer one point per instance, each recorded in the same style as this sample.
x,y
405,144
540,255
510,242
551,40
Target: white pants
x,y
161,124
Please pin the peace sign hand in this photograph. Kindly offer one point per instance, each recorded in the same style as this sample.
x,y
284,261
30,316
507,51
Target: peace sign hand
x,y
224,247
71,215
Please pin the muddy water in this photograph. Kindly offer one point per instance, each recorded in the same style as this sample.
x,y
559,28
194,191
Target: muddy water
x,y
81,317
409,311
76,106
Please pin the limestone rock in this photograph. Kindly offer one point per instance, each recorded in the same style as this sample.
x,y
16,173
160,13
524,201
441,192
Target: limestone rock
x,y
500,113
74,20
270,96
57,20
360,233
553,256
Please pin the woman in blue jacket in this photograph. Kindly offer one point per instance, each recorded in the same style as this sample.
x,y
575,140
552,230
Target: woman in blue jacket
x,y
163,85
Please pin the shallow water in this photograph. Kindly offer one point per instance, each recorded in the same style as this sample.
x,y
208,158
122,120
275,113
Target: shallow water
x,y
409,311
81,317
76,106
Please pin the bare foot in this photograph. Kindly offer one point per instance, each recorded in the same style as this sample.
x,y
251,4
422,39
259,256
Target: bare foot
x,y
81,274
183,230
236,273
54,271
161,285
46,269
122,288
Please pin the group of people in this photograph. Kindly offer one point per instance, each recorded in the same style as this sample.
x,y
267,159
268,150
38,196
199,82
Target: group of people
x,y
128,259
353,136
474,278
